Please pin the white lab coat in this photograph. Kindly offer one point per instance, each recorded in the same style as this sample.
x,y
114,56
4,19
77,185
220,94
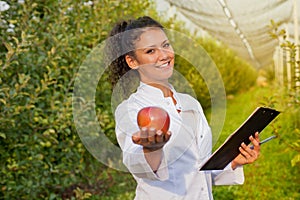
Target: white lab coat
x,y
178,176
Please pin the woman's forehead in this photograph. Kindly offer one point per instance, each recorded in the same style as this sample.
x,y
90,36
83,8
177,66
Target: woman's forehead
x,y
151,37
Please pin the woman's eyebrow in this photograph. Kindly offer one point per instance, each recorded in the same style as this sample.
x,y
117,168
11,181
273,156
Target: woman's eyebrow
x,y
165,41
150,46
154,45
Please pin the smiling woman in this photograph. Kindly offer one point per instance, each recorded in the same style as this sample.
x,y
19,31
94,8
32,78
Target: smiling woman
x,y
165,164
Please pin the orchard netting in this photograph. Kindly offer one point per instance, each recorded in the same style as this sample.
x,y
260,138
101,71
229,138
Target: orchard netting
x,y
245,27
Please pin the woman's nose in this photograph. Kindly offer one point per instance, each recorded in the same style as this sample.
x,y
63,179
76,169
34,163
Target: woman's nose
x,y
164,54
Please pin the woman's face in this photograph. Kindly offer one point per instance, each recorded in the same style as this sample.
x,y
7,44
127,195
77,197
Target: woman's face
x,y
154,58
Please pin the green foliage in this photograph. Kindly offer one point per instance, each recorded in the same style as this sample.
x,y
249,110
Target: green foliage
x,y
41,153
290,97
237,74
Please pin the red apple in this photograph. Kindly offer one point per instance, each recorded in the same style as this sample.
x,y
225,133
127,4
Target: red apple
x,y
154,117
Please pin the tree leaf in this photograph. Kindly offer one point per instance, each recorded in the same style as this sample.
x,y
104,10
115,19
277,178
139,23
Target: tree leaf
x,y
3,135
295,160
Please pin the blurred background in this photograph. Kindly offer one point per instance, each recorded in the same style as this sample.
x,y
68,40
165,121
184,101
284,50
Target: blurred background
x,y
254,44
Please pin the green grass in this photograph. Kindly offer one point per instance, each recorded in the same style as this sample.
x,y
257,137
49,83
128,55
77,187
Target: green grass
x,y
270,177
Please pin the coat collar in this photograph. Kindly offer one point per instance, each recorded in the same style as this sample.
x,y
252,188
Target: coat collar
x,y
184,101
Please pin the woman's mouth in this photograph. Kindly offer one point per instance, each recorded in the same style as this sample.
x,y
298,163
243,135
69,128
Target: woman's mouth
x,y
165,65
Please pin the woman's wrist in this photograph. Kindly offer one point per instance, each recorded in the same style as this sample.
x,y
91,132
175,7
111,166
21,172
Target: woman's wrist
x,y
151,149
234,165
153,157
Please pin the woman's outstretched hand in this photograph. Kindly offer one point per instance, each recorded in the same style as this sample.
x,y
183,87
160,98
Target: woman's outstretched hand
x,y
247,154
151,139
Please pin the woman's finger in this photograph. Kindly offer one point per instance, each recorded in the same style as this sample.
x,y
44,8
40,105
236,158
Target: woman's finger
x,y
243,151
248,153
167,136
257,136
255,142
144,135
151,135
159,138
136,137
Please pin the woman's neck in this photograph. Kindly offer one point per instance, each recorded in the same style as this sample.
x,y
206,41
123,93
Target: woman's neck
x,y
164,88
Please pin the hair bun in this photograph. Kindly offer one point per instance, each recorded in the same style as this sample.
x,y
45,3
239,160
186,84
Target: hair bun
x,y
119,28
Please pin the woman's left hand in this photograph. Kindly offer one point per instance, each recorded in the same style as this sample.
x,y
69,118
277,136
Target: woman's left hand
x,y
248,155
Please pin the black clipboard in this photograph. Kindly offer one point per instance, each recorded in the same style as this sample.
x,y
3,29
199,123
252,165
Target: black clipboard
x,y
256,122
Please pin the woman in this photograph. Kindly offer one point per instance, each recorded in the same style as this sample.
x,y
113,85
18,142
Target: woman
x,y
165,165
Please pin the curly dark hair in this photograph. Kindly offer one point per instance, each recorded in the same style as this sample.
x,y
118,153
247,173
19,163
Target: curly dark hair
x,y
121,42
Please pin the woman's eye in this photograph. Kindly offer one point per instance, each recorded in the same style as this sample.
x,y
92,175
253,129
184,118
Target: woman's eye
x,y
150,51
166,45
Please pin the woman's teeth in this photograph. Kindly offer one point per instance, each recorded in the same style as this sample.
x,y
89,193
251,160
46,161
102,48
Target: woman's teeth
x,y
164,65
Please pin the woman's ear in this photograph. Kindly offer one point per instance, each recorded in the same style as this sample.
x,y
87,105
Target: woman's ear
x,y
131,62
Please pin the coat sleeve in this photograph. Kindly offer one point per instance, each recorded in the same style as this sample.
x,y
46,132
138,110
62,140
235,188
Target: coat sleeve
x,y
133,156
228,176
